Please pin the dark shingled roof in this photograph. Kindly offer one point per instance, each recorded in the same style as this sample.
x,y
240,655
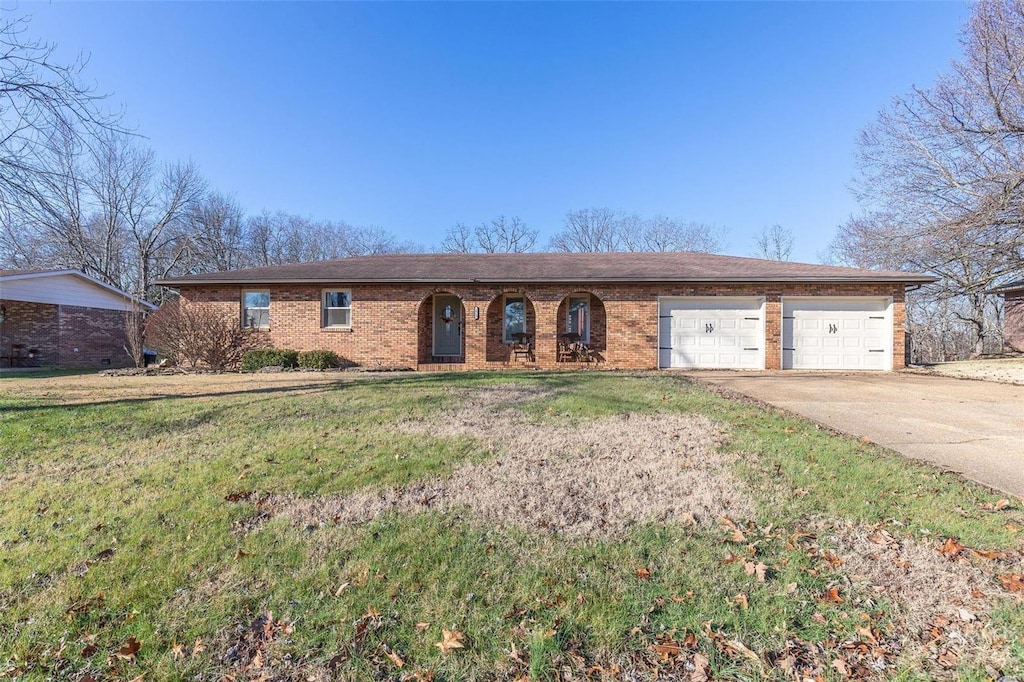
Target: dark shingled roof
x,y
1011,287
676,266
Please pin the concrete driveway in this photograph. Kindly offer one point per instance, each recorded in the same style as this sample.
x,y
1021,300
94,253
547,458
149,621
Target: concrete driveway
x,y
973,427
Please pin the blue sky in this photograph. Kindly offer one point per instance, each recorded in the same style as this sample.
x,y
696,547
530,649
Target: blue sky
x,y
414,116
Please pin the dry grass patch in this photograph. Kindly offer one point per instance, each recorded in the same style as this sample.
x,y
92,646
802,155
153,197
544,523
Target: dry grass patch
x,y
940,594
591,480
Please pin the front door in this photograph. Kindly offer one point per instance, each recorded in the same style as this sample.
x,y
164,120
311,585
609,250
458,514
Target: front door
x,y
447,325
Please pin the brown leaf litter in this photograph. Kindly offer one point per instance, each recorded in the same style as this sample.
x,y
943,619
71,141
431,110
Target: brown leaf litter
x,y
594,479
941,594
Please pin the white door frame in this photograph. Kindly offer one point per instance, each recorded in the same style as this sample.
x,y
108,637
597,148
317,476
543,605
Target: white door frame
x,y
762,311
433,322
888,315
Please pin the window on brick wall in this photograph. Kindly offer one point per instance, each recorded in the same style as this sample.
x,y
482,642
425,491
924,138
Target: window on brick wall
x,y
256,309
337,308
515,317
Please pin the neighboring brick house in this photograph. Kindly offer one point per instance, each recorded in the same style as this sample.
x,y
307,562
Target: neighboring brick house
x,y
1013,315
63,318
631,310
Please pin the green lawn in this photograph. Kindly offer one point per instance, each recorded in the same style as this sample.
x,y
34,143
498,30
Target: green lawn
x,y
144,515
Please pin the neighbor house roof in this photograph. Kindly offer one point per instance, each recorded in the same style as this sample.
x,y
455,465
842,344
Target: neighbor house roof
x,y
10,276
674,266
1009,288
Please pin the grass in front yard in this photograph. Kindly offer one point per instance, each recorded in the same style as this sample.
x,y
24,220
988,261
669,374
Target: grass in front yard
x,y
315,526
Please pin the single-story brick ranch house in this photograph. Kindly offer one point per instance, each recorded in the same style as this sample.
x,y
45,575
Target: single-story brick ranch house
x,y
631,310
1013,315
63,318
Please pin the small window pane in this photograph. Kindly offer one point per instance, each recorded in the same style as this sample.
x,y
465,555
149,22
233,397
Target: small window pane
x,y
257,299
337,299
515,317
338,317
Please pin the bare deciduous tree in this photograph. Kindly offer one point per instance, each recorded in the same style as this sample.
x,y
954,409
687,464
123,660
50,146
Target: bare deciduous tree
x,y
499,235
942,177
39,98
589,230
602,229
774,242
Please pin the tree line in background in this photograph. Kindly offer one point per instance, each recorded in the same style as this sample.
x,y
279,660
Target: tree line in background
x,y
941,183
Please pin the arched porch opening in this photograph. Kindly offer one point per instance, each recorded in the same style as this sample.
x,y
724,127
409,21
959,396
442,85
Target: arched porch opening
x,y
509,313
441,329
582,319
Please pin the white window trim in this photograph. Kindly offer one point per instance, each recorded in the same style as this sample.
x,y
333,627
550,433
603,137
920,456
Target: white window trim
x,y
246,309
504,319
585,338
324,309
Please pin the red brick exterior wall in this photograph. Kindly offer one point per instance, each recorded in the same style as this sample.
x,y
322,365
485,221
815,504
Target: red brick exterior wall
x,y
1013,321
391,323
98,335
33,325
56,331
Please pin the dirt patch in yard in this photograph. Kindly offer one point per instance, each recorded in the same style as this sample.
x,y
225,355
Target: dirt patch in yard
x,y
592,480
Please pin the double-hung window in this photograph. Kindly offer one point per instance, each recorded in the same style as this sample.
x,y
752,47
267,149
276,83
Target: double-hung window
x,y
515,317
578,317
337,308
256,309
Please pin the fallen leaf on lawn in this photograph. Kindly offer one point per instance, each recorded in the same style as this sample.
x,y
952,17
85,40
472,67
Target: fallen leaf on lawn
x,y
738,647
965,615
424,675
864,632
177,651
840,666
791,588
987,554
130,649
832,596
998,505
758,569
256,662
513,655
395,658
701,669
800,492
741,599
1012,527
89,651
948,658
731,558
240,554
198,647
371,612
832,560
818,618
452,639
341,588
667,649
643,573
950,548
421,626
1014,582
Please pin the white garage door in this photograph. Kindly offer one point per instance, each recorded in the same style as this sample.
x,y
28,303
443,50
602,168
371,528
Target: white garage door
x,y
711,332
836,333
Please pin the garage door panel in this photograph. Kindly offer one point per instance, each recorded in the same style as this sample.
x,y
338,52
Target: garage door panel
x,y
836,333
711,332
